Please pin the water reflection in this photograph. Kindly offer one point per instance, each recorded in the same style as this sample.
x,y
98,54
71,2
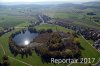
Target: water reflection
x,y
25,38
26,42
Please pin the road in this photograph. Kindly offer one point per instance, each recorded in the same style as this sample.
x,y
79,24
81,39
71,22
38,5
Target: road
x,y
2,48
43,22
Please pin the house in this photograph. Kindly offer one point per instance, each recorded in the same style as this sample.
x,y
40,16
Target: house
x,y
97,44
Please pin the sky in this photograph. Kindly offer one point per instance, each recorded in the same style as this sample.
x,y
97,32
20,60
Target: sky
x,y
3,1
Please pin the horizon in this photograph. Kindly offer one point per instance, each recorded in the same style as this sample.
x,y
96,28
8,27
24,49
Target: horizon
x,y
44,1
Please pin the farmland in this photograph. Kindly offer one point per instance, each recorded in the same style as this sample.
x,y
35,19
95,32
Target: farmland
x,y
61,18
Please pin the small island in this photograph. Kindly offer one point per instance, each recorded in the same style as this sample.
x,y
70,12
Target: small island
x,y
57,45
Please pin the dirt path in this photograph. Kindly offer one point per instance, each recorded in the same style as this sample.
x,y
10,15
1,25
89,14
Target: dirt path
x,y
14,58
20,61
2,48
90,44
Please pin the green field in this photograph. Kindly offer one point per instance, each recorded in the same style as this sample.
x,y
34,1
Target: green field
x,y
53,27
80,16
11,17
35,60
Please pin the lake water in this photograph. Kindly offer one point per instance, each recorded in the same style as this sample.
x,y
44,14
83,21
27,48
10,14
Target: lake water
x,y
25,38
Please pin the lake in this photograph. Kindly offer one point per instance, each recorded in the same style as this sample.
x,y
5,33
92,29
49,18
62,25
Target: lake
x,y
25,38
